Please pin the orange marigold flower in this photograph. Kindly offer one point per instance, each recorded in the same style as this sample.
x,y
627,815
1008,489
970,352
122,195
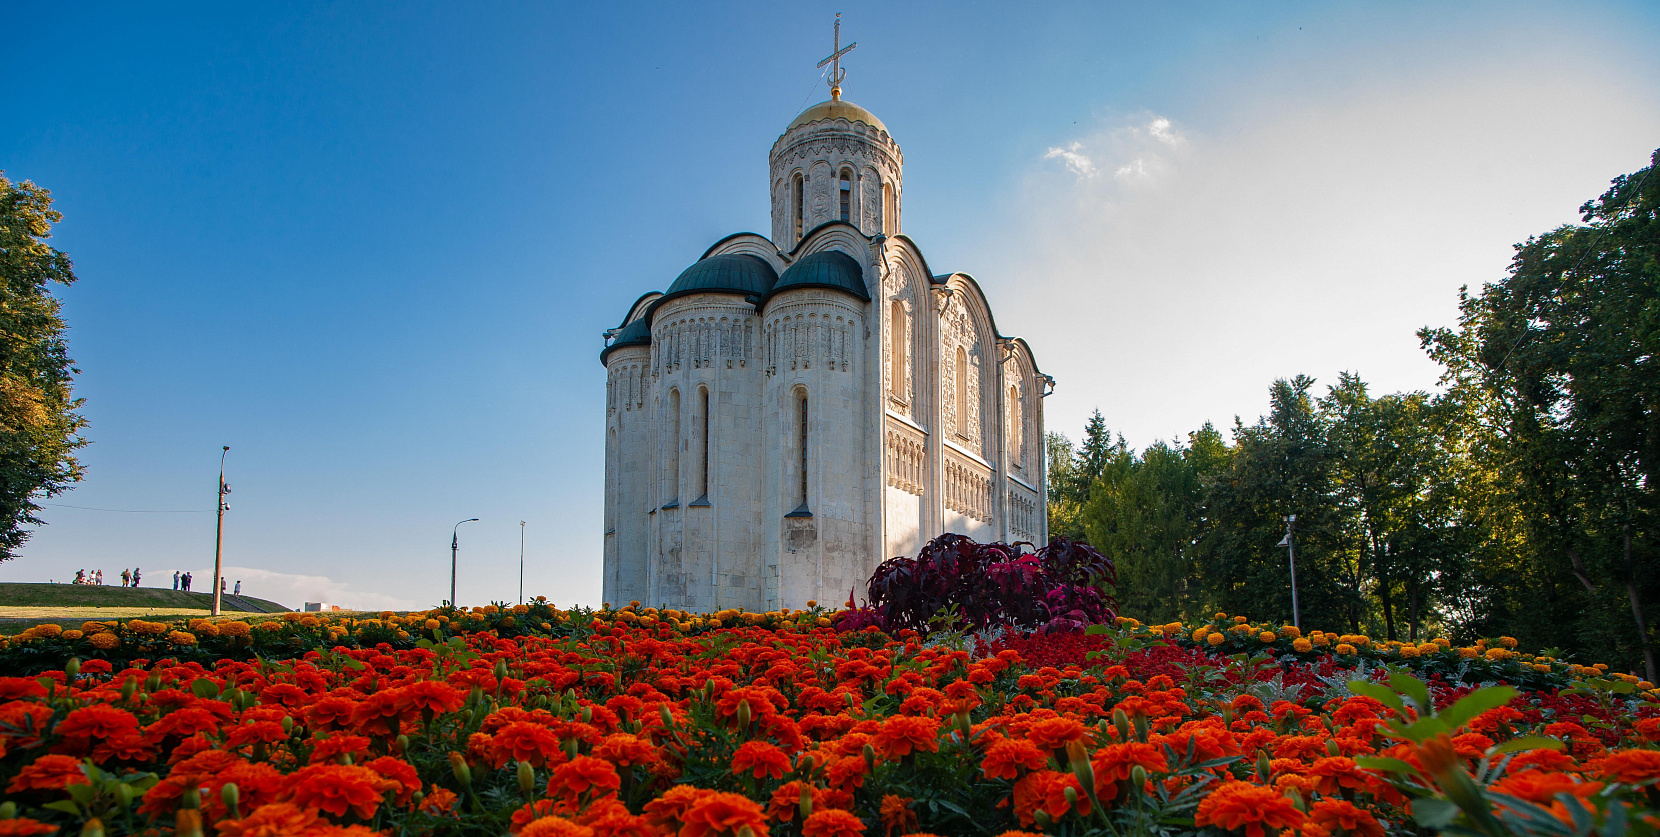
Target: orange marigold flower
x,y
1005,758
1055,733
524,741
786,801
278,819
441,802
760,759
624,750
1241,805
556,827
1113,763
51,772
903,734
832,823
1332,814
1630,766
1333,773
716,814
24,827
897,816
1032,793
584,775
399,772
337,788
97,721
1541,786
667,811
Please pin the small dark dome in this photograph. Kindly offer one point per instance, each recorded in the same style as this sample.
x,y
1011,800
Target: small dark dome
x,y
637,333
736,273
825,269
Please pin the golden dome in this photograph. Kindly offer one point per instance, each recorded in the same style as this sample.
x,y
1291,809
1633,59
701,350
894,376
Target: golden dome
x,y
837,108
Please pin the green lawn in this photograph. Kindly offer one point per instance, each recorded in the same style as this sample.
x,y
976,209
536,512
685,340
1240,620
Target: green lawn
x,y
79,596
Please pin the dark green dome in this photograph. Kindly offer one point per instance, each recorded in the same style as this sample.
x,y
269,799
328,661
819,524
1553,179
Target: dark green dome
x,y
637,333
825,269
730,274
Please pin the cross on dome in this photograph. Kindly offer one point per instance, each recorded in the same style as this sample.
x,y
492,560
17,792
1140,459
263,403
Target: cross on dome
x,y
837,74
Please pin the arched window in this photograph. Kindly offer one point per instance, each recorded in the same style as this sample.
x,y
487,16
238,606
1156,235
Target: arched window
x,y
846,193
798,196
890,221
673,489
962,392
899,351
703,471
1016,452
801,448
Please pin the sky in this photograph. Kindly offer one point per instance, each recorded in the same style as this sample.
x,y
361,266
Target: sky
x,y
372,246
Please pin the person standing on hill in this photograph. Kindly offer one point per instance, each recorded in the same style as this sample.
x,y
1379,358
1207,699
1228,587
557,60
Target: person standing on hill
x,y
175,579
135,576
238,592
126,576
186,581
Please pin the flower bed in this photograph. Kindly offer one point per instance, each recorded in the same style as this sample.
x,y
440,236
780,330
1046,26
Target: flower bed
x,y
639,722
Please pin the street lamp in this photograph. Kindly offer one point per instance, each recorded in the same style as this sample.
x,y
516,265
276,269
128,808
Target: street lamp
x,y
219,535
521,562
455,546
1291,550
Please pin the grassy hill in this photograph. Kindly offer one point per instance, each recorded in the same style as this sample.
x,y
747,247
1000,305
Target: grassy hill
x,y
80,596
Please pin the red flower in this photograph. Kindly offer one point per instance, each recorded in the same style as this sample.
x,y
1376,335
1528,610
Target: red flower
x,y
761,759
832,823
52,772
715,814
624,750
556,827
1333,814
522,741
337,788
1235,805
903,734
1005,758
24,827
583,775
1630,766
97,721
1114,762
279,819
1055,733
400,772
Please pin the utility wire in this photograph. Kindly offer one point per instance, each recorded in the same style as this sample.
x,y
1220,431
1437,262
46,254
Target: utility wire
x,y
133,511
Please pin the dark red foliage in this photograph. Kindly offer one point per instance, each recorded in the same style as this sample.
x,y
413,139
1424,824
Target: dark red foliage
x,y
1056,589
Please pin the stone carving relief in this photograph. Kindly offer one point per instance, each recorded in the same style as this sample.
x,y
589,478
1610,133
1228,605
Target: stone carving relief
x,y
1023,511
967,488
958,331
906,459
799,339
870,201
819,204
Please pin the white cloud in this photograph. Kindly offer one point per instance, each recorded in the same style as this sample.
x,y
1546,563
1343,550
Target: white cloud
x,y
1075,159
1159,129
294,590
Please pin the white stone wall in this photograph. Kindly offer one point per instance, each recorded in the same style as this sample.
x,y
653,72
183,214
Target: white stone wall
x,y
818,153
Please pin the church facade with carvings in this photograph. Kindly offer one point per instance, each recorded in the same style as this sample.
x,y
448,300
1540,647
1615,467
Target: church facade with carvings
x,y
794,409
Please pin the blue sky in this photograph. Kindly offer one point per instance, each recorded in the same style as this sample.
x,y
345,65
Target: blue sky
x,y
371,247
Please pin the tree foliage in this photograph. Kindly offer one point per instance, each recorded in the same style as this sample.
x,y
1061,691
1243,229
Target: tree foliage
x,y
39,422
1522,500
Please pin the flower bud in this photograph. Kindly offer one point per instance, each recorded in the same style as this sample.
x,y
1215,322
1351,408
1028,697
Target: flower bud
x,y
458,766
806,805
1296,799
401,743
287,725
1042,818
129,687
8,810
189,824
123,794
743,714
666,715
870,757
95,827
73,667
1071,794
527,778
232,797
416,798
153,682
501,670
1265,772
1121,721
191,798
1138,778
587,714
570,747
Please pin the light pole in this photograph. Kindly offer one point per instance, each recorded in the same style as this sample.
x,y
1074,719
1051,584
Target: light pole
x,y
219,535
1291,550
521,562
455,546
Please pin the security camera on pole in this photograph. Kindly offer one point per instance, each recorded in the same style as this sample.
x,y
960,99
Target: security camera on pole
x,y
1292,552
219,536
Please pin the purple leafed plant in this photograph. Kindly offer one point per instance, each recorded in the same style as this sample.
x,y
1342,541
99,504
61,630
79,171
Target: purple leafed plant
x,y
1056,588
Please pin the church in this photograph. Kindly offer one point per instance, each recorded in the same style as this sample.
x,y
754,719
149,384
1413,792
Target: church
x,y
795,409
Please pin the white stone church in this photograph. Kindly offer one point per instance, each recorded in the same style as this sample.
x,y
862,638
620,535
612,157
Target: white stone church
x,y
793,410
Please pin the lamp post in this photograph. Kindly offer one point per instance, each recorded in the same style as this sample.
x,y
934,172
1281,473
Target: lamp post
x,y
521,562
219,534
455,546
1291,551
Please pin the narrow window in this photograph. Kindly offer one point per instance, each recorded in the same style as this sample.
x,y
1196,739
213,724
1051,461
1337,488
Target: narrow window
x,y
962,392
674,447
1015,452
704,394
847,195
898,351
798,194
801,443
890,222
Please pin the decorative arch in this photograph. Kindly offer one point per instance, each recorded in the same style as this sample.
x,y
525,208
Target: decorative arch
x,y
968,341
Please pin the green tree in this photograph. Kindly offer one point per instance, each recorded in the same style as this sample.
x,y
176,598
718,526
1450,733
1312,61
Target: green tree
x,y
1064,508
1563,359
39,425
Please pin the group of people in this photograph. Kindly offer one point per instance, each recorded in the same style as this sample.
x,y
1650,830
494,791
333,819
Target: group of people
x,y
95,577
130,578
181,581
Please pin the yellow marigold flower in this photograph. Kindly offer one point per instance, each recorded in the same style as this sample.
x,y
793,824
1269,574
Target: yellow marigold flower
x,y
1645,685
1241,630
1290,631
1497,654
1302,645
1408,651
309,622
1344,648
388,615
293,616
270,625
1321,641
1238,620
1361,641
1267,636
1429,648
431,624
181,638
1199,634
1443,642
1215,639
1600,666
92,627
73,634
1541,668
1507,641
403,634
48,630
104,641
822,622
1468,652
235,628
